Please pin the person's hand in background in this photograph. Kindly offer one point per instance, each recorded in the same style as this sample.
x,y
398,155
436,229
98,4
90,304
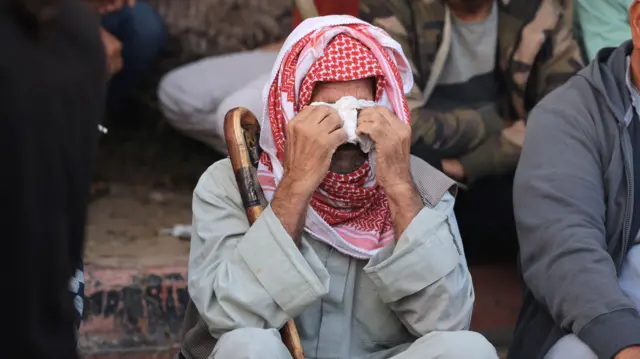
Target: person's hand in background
x,y
113,50
107,6
453,168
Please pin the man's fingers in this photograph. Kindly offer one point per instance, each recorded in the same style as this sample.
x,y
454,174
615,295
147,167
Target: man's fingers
x,y
368,128
321,113
338,137
331,122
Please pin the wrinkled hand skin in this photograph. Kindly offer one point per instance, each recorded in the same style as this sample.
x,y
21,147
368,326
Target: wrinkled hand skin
x,y
392,140
313,136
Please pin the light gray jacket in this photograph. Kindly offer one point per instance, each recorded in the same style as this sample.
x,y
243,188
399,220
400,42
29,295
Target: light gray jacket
x,y
254,276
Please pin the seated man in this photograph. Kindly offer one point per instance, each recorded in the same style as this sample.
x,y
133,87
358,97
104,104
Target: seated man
x,y
196,97
479,67
577,211
140,31
361,249
602,23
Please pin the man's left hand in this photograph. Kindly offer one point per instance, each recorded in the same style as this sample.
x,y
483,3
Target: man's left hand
x,y
393,169
392,140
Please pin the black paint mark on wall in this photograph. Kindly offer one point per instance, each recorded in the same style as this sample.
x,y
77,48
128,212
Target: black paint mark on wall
x,y
154,310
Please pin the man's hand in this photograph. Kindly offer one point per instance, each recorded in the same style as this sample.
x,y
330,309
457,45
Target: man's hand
x,y
393,145
452,168
113,50
312,138
107,6
629,353
393,169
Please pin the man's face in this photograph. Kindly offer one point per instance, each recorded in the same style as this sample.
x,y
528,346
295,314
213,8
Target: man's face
x,y
347,157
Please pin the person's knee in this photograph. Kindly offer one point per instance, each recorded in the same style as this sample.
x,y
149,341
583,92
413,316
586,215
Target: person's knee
x,y
146,34
250,343
570,347
466,345
171,96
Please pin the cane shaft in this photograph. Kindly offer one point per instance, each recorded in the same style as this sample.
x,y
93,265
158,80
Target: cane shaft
x,y
241,131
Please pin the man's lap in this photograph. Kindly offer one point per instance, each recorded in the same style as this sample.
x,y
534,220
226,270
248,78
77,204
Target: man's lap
x,y
252,343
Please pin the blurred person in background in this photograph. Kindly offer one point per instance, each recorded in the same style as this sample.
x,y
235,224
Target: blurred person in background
x,y
133,34
195,98
52,93
601,23
479,67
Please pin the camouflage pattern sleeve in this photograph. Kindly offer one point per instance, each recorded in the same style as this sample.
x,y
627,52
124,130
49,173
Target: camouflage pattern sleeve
x,y
565,60
495,156
394,17
456,132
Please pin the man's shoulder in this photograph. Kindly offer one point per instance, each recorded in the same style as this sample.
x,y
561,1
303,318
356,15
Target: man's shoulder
x,y
574,107
218,177
432,184
574,95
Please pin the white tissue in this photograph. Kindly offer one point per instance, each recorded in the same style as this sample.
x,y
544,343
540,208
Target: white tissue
x,y
347,108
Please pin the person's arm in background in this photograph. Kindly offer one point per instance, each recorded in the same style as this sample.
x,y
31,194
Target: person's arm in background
x,y
603,23
449,134
499,153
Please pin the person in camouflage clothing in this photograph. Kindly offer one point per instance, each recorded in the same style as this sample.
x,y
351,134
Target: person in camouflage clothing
x,y
479,67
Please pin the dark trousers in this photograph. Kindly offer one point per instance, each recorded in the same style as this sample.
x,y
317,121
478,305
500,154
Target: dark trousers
x,y
484,213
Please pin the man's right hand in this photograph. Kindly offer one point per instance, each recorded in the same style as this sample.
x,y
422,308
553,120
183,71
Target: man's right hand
x,y
629,353
312,138
113,50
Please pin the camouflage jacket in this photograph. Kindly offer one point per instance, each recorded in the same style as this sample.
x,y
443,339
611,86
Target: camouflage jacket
x,y
536,53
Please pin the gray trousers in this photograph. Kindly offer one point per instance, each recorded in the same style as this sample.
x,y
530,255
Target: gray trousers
x,y
195,98
253,343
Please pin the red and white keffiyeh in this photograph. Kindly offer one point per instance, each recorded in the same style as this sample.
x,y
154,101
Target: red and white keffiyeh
x,y
349,212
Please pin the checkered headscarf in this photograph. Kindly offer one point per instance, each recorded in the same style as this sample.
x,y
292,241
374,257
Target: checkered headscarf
x,y
349,212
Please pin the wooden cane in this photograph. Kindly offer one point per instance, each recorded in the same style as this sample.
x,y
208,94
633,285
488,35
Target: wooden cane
x,y
242,132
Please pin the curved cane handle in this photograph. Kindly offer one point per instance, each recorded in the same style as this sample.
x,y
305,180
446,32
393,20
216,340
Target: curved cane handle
x,y
242,131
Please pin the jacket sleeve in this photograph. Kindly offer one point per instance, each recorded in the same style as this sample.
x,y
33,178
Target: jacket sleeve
x,y
423,277
564,61
560,211
246,276
496,156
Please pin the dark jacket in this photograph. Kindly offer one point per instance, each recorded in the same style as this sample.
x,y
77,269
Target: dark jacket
x,y
573,198
52,87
